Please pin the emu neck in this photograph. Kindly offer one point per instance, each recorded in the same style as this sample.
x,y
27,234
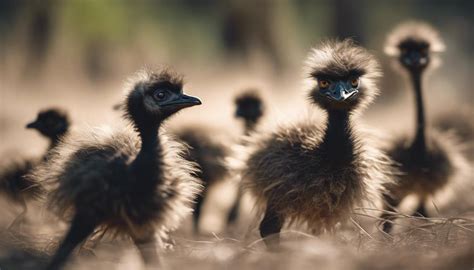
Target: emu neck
x,y
54,140
146,165
337,145
249,127
419,143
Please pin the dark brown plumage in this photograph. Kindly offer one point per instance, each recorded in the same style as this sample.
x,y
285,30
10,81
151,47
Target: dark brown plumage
x,y
459,122
428,160
120,182
52,123
209,153
316,174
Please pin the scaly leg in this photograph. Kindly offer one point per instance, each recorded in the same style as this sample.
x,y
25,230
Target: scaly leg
x,y
197,209
421,210
81,227
148,247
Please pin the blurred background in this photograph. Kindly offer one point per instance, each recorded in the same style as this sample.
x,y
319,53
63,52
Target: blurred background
x,y
76,54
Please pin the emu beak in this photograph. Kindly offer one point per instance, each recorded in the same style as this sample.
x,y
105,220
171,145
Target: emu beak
x,y
184,101
341,92
34,125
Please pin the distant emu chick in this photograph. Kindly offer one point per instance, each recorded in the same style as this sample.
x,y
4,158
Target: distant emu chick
x,y
428,159
316,174
123,183
209,153
248,107
52,123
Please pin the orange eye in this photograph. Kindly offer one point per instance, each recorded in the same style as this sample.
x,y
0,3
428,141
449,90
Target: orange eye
x,y
323,84
355,82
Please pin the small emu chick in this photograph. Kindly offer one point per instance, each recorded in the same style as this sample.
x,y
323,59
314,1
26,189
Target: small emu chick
x,y
209,154
127,185
53,123
249,108
428,159
313,174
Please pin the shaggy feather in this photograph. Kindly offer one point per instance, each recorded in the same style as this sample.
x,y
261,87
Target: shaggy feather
x,y
125,183
460,123
87,169
317,174
289,166
426,176
207,152
343,60
52,123
428,160
15,185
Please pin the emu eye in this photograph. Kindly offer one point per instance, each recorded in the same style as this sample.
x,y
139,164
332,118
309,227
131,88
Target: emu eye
x,y
404,50
355,82
323,83
159,95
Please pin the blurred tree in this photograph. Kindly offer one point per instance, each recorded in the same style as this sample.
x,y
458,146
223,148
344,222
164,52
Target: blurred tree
x,y
99,26
40,29
249,25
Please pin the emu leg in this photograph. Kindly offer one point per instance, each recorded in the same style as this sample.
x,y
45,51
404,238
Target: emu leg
x,y
81,227
234,211
421,210
147,245
387,216
197,209
270,227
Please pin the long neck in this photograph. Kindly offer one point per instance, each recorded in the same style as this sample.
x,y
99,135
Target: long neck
x,y
419,141
249,127
146,165
337,144
54,140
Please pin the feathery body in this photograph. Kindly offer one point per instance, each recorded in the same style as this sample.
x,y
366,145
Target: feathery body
x,y
93,171
306,185
128,183
316,174
52,123
209,154
429,160
206,151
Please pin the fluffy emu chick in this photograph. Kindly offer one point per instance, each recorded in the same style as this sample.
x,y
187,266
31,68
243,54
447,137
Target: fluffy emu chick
x,y
316,174
123,183
209,153
52,123
428,159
